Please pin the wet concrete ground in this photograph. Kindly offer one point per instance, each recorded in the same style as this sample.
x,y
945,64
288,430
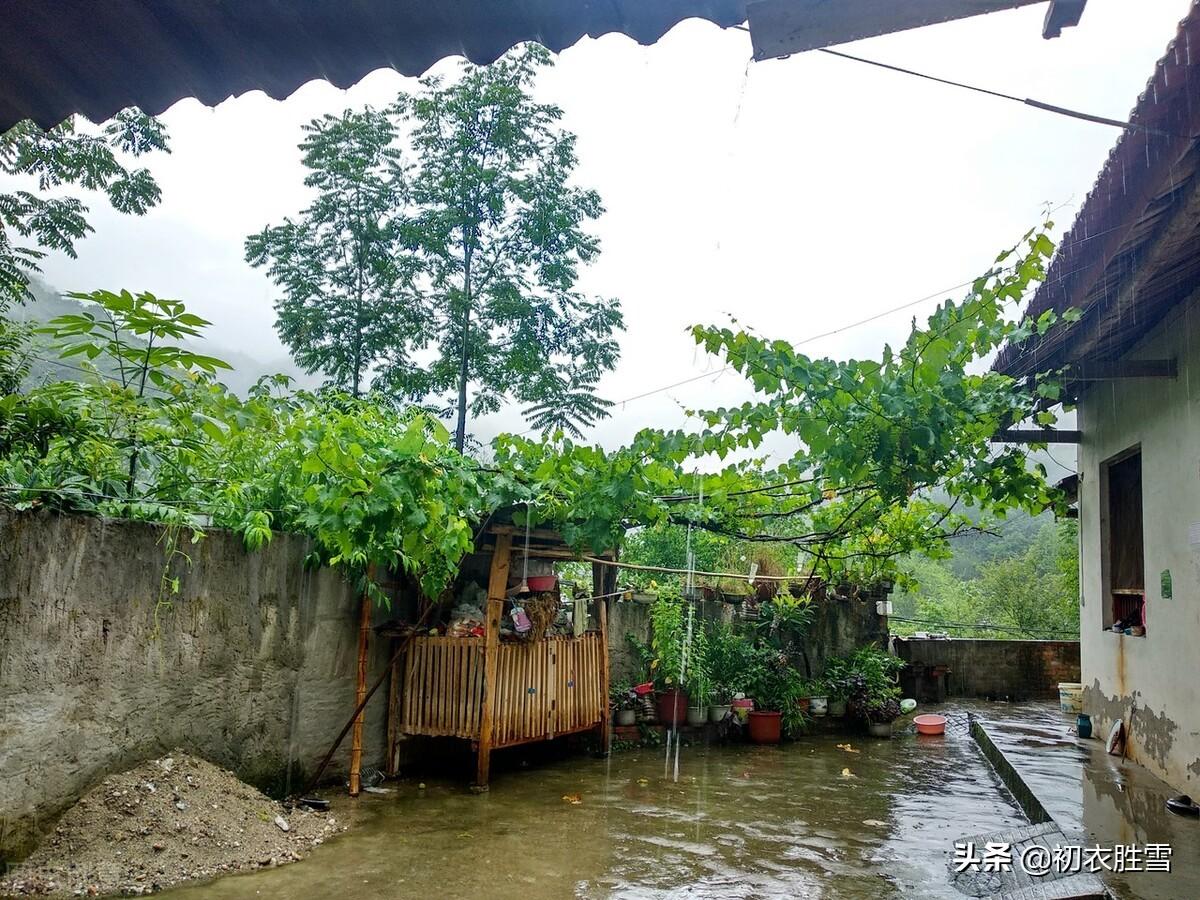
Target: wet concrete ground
x,y
807,819
1108,800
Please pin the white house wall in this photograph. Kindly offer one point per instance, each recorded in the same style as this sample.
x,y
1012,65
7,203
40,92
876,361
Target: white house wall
x,y
1151,681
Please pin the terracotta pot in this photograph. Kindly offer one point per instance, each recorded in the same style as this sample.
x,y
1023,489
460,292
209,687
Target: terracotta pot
x,y
804,703
672,707
766,727
626,716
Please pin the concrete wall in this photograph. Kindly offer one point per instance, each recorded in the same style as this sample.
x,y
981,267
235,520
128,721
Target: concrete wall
x,y
838,627
251,665
1155,673
1014,670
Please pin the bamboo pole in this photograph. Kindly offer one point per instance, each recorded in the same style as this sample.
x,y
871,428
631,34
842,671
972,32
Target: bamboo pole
x,y
497,586
360,688
605,715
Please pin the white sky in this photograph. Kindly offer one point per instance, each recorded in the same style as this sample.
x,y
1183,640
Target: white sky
x,y
799,195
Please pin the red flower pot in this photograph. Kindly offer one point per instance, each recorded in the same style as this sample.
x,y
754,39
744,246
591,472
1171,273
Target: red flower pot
x,y
765,727
539,583
672,707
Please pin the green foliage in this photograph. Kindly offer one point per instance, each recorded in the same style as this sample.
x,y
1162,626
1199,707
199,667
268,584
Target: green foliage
x,y
1030,592
346,275
870,683
32,224
667,622
162,440
500,229
777,687
782,623
729,657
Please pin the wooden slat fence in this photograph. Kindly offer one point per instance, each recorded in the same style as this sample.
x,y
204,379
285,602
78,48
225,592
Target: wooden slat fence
x,y
543,689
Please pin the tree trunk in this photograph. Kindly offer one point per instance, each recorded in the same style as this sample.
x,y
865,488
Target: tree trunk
x,y
464,368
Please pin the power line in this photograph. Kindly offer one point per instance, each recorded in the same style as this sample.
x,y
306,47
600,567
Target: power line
x,y
1026,101
1001,95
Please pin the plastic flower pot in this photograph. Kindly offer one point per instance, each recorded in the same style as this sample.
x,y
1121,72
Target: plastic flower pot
x,y
539,583
672,707
717,713
626,716
697,715
819,706
837,709
766,727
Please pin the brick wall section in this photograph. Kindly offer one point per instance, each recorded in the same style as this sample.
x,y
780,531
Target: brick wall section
x,y
1014,670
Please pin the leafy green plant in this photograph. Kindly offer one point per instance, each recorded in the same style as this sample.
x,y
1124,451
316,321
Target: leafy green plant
x,y
777,687
873,693
730,658
68,155
667,623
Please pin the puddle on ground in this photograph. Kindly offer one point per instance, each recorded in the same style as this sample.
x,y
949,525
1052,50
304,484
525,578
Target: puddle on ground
x,y
743,821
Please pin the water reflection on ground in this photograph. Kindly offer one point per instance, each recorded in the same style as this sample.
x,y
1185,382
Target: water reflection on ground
x,y
808,819
1107,800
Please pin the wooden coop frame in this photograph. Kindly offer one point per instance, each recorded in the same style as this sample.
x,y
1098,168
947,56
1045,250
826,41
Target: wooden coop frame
x,y
498,695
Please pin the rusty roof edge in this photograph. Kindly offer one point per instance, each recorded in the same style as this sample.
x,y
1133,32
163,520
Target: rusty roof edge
x,y
1095,238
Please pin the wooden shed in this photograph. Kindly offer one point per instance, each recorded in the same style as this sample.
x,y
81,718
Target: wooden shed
x,y
499,693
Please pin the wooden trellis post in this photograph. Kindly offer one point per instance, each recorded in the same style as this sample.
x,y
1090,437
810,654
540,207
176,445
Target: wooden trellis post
x,y
497,587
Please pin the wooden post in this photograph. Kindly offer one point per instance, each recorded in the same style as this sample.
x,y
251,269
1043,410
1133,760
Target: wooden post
x,y
360,689
606,722
393,713
497,587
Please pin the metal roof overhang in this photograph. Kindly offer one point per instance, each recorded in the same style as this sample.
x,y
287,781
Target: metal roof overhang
x,y
61,57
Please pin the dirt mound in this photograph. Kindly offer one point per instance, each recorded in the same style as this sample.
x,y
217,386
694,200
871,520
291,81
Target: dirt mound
x,y
167,821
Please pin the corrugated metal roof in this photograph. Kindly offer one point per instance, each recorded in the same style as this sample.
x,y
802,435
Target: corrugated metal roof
x,y
1133,251
60,57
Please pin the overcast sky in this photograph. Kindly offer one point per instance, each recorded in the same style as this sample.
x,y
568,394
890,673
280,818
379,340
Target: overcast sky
x,y
799,195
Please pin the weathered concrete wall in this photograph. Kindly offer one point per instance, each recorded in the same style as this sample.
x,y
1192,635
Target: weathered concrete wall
x,y
1014,670
838,627
1149,681
251,665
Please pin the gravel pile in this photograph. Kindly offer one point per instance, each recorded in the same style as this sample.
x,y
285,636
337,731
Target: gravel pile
x,y
167,821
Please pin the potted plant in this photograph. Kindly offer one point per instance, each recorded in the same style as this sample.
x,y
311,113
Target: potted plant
x,y
776,688
624,703
874,695
818,698
837,685
728,657
667,626
697,677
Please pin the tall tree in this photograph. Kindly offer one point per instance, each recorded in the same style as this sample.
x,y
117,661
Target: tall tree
x,y
33,224
341,264
501,234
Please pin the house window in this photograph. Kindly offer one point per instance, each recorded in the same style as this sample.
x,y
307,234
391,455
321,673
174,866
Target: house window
x,y
1124,568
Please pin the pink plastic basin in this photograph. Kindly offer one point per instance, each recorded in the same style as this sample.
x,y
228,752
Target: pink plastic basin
x,y
930,724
